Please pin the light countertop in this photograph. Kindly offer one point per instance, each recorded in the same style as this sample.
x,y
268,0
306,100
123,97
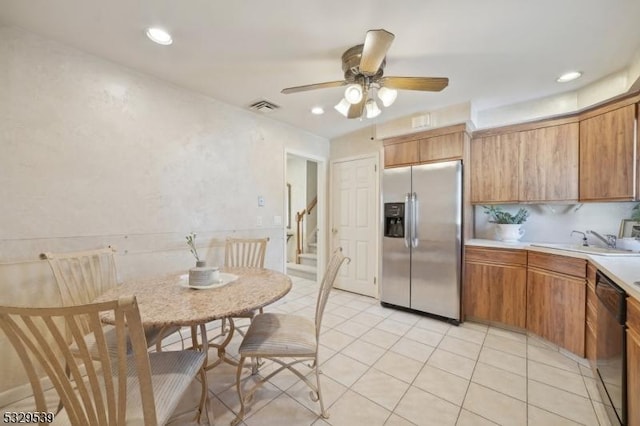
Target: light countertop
x,y
624,271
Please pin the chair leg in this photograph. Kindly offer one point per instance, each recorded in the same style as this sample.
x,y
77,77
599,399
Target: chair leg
x,y
240,415
204,398
323,412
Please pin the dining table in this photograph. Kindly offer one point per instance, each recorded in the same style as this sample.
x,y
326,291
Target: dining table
x,y
168,301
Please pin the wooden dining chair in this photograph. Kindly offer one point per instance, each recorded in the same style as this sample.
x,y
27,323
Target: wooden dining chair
x,y
82,276
247,253
288,340
113,386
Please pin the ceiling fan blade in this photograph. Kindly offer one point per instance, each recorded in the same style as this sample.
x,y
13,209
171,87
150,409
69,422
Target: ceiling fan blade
x,y
431,84
375,48
355,110
313,86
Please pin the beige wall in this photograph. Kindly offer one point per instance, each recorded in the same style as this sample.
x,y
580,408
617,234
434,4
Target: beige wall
x,y
360,142
95,154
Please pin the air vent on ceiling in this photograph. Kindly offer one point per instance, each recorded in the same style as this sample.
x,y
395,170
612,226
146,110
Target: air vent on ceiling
x,y
264,106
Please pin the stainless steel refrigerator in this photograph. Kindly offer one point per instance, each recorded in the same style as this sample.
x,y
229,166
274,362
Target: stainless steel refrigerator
x,y
421,242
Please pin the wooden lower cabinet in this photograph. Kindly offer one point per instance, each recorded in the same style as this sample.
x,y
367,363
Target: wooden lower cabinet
x,y
496,292
556,308
633,362
544,293
591,322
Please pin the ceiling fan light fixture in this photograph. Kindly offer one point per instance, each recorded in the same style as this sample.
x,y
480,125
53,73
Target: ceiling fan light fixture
x,y
387,96
160,36
343,107
363,67
353,94
372,109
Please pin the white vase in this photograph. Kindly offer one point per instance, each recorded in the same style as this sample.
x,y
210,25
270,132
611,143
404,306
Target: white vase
x,y
509,233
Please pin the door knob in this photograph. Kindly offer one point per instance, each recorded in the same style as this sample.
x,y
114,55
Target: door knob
x,y
334,230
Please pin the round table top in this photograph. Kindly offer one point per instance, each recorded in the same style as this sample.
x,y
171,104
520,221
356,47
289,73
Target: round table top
x,y
164,302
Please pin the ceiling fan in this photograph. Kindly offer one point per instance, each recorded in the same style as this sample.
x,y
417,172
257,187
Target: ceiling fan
x,y
363,67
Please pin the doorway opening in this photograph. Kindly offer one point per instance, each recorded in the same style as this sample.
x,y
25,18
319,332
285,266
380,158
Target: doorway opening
x,y
304,216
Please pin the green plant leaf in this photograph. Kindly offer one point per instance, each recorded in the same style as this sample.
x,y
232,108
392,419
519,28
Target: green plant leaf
x,y
498,215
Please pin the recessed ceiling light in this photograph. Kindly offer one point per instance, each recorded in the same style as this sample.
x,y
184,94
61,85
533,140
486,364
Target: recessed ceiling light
x,y
317,110
569,76
159,36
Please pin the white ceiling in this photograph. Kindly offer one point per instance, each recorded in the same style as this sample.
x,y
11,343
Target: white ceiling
x,y
495,52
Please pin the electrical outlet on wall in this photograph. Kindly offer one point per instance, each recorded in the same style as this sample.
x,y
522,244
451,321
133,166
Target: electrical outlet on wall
x,y
259,221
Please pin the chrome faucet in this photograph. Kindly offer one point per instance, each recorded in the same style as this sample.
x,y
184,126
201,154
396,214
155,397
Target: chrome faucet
x,y
585,243
610,239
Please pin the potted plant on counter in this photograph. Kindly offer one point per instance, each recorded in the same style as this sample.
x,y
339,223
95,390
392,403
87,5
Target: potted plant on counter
x,y
507,224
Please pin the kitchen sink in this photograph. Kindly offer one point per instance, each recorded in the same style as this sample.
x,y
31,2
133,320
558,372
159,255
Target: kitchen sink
x,y
600,251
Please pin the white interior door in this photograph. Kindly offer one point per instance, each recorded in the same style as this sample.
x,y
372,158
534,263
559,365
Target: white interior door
x,y
354,206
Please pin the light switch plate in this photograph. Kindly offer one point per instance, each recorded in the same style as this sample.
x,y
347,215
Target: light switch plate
x,y
260,201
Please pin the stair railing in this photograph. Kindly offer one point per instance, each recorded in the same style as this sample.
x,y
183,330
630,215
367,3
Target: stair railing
x,y
299,223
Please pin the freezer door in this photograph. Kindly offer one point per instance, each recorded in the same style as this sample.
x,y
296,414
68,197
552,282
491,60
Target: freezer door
x,y
395,280
436,253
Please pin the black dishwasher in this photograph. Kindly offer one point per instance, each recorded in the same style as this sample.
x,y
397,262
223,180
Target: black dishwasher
x,y
611,362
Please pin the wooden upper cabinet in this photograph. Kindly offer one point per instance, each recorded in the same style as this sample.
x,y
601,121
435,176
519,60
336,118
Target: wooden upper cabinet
x,y
606,155
401,154
549,163
441,144
494,169
532,164
441,148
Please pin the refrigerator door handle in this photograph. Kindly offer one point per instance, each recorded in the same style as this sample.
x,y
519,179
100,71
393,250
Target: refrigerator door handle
x,y
415,214
407,220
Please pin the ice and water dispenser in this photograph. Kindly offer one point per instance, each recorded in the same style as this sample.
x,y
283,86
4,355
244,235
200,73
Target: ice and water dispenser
x,y
394,220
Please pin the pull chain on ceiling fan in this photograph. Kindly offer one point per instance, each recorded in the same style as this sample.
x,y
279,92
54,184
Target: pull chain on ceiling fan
x,y
363,67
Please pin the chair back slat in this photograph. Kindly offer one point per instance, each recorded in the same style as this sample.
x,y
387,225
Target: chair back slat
x,y
245,252
327,284
83,276
92,387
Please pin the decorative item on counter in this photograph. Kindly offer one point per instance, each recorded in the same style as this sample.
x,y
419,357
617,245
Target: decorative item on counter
x,y
630,228
191,242
507,225
201,275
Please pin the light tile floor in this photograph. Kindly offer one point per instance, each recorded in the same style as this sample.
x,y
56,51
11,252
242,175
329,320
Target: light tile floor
x,y
387,367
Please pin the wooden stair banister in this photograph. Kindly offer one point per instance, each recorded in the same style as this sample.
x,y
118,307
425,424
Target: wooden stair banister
x,y
299,219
